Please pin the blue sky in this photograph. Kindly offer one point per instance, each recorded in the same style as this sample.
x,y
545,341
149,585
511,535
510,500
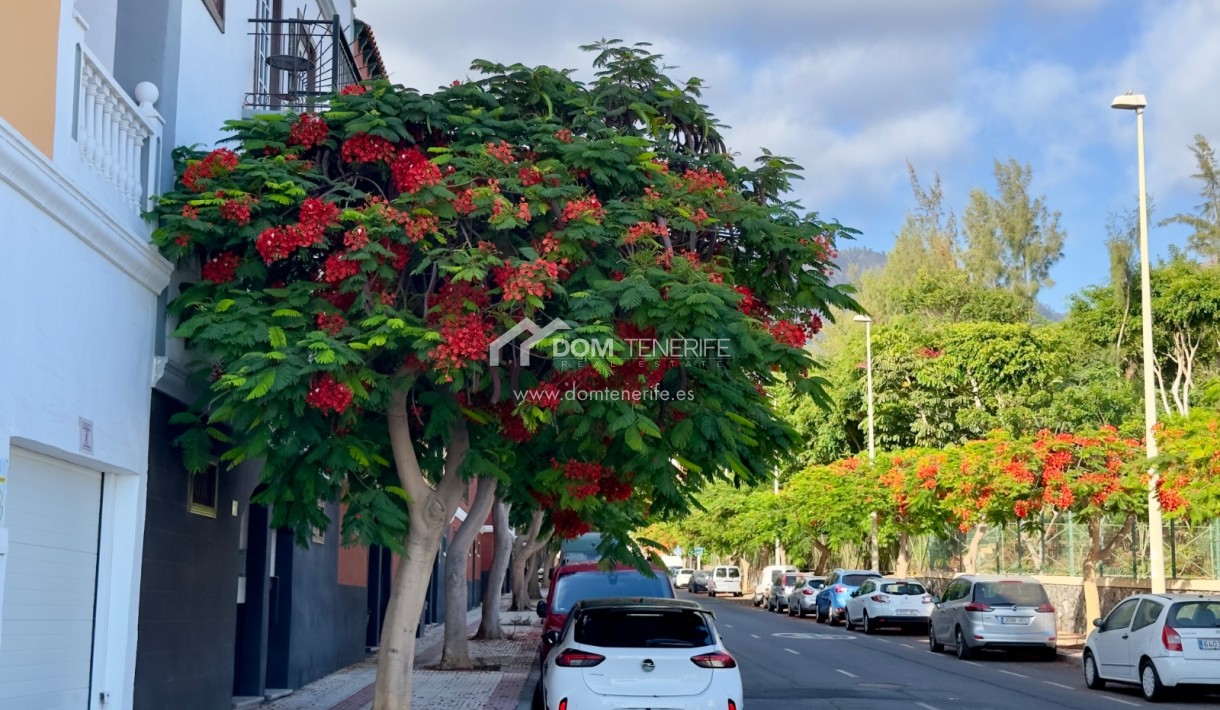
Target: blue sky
x,y
853,89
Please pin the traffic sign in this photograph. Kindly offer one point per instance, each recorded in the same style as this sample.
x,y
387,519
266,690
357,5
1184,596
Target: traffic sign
x,y
678,550
697,551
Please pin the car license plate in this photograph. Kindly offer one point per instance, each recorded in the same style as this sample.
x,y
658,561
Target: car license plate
x,y
908,612
1014,620
1210,644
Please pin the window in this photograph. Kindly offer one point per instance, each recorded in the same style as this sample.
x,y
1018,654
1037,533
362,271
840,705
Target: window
x,y
217,10
721,572
318,534
902,588
855,580
1011,594
624,628
789,580
956,590
734,573
1120,618
202,491
864,588
1147,615
1194,615
574,587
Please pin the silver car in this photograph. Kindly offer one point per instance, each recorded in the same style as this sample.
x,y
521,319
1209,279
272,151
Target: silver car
x,y
781,587
804,596
979,611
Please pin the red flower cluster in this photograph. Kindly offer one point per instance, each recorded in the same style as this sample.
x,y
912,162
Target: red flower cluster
x,y
585,478
308,131
316,217
456,298
530,175
568,524
338,269
463,204
419,227
357,238
545,395
412,171
750,305
700,217
464,339
787,332
401,252
218,163
331,323
352,90
326,394
363,148
638,231
512,426
704,179
237,210
501,151
586,208
563,135
533,278
221,269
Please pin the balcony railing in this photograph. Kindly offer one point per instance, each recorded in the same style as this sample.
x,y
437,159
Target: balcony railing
x,y
297,63
117,137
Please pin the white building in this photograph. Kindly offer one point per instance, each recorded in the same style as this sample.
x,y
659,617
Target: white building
x,y
83,146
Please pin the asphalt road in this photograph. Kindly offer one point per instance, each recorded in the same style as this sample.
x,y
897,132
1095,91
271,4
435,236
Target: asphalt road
x,y
792,664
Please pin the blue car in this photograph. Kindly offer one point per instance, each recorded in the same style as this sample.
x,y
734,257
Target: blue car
x,y
832,599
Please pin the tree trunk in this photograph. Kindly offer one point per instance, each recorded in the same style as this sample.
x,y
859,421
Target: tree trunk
x,y
456,653
1100,552
430,511
823,557
532,585
489,628
971,560
524,547
903,563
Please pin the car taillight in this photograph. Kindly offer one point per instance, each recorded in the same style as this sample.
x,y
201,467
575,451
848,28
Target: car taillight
x,y
572,658
717,659
840,589
927,599
1046,608
880,598
1171,638
807,592
563,704
732,705
977,606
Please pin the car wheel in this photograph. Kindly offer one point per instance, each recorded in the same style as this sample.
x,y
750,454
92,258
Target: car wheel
x,y
1150,683
868,625
738,594
933,645
817,614
963,651
1091,677
847,622
711,594
538,703
791,609
800,611
832,617
1048,655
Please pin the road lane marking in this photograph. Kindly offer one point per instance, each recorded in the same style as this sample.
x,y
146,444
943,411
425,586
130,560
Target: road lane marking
x,y
1019,675
883,640
1058,685
791,651
907,645
756,636
925,706
973,663
849,675
728,626
1119,700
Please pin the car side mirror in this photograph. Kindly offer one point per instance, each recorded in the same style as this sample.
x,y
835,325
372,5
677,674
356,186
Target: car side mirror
x,y
550,638
935,599
1097,623
542,610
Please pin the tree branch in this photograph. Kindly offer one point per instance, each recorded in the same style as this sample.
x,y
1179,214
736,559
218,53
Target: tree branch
x,y
405,462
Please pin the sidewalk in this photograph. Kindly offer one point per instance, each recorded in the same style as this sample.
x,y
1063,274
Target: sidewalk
x,y
503,689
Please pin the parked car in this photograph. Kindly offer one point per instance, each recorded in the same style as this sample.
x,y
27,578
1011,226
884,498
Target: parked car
x,y
803,599
889,601
781,587
980,611
1158,641
698,581
682,578
832,599
726,579
764,580
585,580
639,653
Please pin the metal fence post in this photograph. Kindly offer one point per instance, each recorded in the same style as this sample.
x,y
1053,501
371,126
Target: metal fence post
x,y
1173,550
1071,545
1042,544
1135,551
1019,546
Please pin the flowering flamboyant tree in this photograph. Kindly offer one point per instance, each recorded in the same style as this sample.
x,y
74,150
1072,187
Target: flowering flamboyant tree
x,y
357,263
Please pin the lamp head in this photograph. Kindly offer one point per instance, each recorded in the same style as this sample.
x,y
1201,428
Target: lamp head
x,y
1129,102
862,319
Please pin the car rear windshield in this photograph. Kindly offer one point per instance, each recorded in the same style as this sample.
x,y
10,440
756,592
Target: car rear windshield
x,y
855,580
579,586
902,588
1010,593
1194,615
789,580
733,573
625,628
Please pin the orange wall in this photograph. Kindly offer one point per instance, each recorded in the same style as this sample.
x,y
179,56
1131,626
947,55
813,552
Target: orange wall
x,y
29,47
353,561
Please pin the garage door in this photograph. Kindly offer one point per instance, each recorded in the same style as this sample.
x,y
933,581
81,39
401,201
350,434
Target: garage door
x,y
46,631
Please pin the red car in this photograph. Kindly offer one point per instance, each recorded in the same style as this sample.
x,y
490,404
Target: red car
x,y
585,580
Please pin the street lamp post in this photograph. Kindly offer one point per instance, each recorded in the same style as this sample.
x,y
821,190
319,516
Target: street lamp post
x,y
874,545
776,480
1156,552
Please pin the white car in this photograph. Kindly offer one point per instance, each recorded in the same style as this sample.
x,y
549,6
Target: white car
x,y
639,653
1156,641
682,578
725,579
888,601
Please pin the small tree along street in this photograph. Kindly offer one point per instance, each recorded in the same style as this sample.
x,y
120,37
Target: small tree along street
x,y
356,263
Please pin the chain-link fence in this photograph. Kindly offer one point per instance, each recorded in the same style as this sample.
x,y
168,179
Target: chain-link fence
x,y
1058,546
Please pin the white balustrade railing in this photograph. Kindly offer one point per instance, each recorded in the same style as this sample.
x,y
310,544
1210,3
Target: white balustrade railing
x,y
118,137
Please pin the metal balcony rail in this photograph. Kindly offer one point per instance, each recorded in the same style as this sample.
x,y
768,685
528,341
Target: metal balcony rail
x,y
297,63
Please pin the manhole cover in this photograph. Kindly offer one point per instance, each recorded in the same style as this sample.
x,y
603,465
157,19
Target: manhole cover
x,y
881,686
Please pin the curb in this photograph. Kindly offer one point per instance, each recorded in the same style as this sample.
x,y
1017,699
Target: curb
x,y
1071,655
526,701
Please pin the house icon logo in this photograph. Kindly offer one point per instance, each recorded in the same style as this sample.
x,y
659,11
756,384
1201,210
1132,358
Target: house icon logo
x,y
537,334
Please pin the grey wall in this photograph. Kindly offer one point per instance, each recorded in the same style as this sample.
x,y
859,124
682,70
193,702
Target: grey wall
x,y
148,41
188,589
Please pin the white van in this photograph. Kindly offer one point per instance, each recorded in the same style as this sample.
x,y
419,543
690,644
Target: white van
x,y
762,583
726,579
